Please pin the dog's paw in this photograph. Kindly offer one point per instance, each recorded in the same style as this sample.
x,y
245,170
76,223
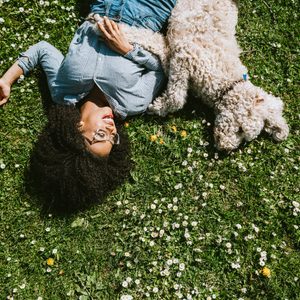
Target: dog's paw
x,y
158,107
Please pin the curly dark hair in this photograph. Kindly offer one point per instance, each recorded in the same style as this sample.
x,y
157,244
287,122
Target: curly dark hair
x,y
68,176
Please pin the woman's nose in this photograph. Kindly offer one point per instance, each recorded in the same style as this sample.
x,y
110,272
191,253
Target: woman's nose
x,y
111,128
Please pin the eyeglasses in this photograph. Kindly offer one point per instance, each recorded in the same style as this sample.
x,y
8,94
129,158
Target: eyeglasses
x,y
101,136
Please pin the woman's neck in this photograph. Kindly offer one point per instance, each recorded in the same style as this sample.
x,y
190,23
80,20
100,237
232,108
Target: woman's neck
x,y
94,99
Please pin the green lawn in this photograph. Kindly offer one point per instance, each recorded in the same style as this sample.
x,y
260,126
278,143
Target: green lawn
x,y
191,223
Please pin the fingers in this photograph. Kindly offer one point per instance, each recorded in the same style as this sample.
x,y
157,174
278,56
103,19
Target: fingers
x,y
109,28
104,31
108,24
3,101
114,37
115,26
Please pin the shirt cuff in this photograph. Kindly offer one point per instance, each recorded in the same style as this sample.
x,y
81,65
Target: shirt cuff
x,y
132,53
24,63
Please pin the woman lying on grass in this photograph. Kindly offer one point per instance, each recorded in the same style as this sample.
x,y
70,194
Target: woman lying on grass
x,y
82,154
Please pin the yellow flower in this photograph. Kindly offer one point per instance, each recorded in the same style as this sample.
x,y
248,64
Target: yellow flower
x,y
161,141
126,124
183,133
50,261
174,128
266,272
153,137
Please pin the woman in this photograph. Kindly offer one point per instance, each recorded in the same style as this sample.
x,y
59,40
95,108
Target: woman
x,y
81,154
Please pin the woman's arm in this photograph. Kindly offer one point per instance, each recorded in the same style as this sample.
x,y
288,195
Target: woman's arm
x,y
114,37
10,76
43,54
144,58
116,40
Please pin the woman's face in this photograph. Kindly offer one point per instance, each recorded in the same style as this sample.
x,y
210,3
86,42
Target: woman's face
x,y
98,128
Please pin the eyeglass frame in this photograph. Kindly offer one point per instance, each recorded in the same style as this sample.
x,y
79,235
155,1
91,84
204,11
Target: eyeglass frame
x,y
110,139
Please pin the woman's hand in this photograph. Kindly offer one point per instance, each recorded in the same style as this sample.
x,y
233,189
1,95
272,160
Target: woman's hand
x,y
114,37
4,91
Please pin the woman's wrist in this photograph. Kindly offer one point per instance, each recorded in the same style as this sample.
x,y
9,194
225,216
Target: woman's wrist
x,y
12,74
6,80
127,48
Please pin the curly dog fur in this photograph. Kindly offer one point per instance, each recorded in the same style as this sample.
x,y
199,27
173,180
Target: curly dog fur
x,y
204,57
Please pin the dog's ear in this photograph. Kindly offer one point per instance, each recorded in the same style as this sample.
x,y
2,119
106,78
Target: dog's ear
x,y
275,124
268,116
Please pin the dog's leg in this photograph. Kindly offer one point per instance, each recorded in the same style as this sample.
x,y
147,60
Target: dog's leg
x,y
175,95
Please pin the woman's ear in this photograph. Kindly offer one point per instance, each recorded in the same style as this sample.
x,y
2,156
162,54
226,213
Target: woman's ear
x,y
80,125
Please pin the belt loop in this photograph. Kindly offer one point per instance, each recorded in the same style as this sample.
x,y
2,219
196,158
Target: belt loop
x,y
107,6
121,10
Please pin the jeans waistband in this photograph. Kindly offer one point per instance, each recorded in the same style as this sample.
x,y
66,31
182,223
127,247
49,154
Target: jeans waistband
x,y
149,24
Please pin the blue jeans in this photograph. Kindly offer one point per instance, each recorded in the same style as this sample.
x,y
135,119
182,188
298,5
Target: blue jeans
x,y
152,14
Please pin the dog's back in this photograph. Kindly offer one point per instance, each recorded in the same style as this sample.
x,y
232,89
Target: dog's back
x,y
200,21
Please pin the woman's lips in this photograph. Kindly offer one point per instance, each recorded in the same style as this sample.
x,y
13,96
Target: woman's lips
x,y
108,116
108,119
109,122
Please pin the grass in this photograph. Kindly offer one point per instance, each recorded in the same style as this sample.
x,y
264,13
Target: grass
x,y
191,223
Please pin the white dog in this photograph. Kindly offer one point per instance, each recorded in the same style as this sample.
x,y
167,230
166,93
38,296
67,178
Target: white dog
x,y
204,57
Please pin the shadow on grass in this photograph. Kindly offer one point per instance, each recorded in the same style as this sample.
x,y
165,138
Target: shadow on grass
x,y
83,7
194,110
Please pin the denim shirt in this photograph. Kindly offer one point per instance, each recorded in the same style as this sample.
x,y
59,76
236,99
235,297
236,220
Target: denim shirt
x,y
129,82
151,14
